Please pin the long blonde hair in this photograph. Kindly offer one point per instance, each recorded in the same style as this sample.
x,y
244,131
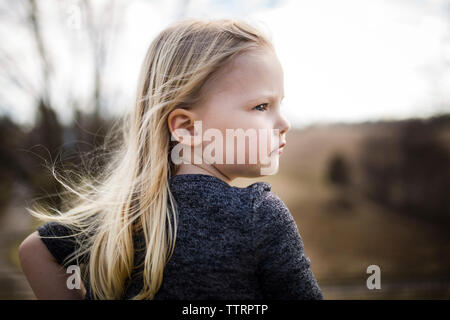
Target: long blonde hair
x,y
131,193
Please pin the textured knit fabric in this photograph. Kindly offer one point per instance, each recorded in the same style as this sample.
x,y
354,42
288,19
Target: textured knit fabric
x,y
232,243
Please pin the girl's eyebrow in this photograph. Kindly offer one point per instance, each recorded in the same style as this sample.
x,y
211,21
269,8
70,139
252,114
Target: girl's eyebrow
x,y
270,97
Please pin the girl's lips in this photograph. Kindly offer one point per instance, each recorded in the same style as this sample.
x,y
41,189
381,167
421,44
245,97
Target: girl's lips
x,y
279,150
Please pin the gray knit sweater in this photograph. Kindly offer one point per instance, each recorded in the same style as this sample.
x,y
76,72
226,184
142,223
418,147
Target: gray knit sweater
x,y
232,243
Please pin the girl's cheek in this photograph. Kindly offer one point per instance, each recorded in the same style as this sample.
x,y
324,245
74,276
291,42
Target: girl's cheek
x,y
256,150
263,146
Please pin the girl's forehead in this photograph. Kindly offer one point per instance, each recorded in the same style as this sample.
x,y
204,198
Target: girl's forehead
x,y
257,70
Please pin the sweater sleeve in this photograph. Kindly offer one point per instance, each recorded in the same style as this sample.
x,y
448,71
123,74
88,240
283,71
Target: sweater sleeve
x,y
283,269
60,248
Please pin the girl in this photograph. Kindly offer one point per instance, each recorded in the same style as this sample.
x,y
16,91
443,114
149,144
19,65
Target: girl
x,y
156,224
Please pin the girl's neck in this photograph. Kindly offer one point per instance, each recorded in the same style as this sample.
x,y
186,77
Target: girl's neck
x,y
201,169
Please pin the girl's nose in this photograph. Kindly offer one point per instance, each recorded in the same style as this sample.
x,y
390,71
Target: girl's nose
x,y
284,125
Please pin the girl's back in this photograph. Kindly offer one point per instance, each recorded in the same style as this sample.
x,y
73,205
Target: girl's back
x,y
232,243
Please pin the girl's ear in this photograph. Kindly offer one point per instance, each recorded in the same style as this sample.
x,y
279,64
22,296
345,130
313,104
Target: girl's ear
x,y
181,125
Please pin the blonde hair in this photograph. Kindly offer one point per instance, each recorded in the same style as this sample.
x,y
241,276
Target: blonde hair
x,y
131,193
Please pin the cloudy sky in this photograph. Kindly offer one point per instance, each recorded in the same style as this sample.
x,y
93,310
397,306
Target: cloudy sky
x,y
344,60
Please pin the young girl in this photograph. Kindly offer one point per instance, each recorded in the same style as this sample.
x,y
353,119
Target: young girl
x,y
156,224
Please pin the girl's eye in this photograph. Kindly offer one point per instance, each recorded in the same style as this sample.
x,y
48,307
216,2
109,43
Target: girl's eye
x,y
261,107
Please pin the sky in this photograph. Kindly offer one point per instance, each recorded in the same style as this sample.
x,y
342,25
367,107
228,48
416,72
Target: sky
x,y
343,60
352,60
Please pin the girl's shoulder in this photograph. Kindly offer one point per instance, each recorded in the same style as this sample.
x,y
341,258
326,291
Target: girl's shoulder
x,y
264,198
204,190
268,208
60,240
257,192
